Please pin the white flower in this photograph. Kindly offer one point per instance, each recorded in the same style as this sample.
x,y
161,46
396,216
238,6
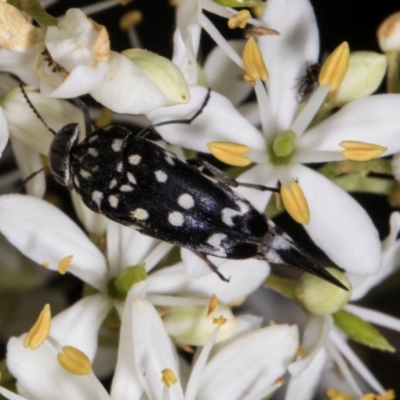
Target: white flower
x,y
147,362
322,338
331,209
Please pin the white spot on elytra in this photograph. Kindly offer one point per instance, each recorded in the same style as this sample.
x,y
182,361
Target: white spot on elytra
x,y
175,218
228,214
119,167
84,174
92,152
215,241
170,158
186,201
93,138
126,188
112,184
97,197
76,181
113,200
161,176
131,178
140,213
117,144
134,159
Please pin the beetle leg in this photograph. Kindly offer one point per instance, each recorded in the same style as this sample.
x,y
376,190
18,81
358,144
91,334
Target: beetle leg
x,y
203,164
213,267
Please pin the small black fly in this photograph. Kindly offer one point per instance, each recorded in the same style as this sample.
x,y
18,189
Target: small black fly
x,y
308,82
135,182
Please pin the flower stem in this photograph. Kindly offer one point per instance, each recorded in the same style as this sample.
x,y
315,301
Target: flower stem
x,y
393,74
36,11
285,287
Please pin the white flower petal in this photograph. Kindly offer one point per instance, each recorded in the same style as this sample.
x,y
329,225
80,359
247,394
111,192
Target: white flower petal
x,y
77,40
46,235
29,161
187,38
80,81
287,55
390,263
304,385
40,375
25,125
373,119
19,64
219,121
126,89
126,247
267,353
245,276
338,224
315,334
3,131
93,222
261,176
152,350
374,317
126,383
79,324
226,77
10,395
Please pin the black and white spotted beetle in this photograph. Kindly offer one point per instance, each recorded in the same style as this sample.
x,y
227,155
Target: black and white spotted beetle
x,y
136,183
308,82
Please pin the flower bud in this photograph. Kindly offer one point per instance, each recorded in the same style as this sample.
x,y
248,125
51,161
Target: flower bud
x,y
193,325
321,297
389,33
363,76
163,73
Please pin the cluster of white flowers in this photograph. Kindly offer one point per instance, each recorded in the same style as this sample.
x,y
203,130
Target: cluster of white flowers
x,y
163,306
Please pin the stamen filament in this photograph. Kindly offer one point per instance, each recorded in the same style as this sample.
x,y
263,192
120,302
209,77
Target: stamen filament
x,y
220,40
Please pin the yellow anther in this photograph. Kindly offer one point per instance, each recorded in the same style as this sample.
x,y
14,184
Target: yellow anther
x,y
168,377
360,151
74,361
64,264
280,381
271,322
334,394
105,118
129,19
258,11
239,20
219,321
258,31
388,395
389,26
125,2
253,62
335,67
368,396
40,330
295,203
230,153
45,264
212,304
301,351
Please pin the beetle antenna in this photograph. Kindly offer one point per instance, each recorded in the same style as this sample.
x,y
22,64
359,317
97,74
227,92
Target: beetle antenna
x,y
31,176
33,108
145,131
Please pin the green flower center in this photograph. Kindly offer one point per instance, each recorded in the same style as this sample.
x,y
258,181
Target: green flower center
x,y
118,287
283,147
